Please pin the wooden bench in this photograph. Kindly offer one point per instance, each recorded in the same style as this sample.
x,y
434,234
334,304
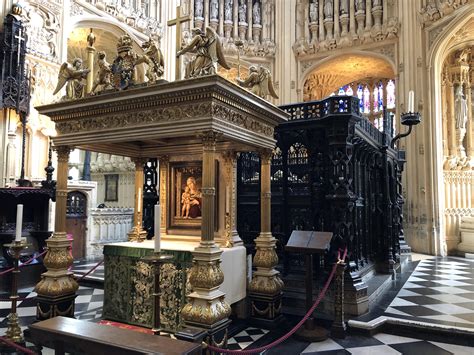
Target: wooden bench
x,y
82,337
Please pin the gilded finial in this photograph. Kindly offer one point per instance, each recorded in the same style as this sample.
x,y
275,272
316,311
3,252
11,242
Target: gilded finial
x,y
17,9
91,39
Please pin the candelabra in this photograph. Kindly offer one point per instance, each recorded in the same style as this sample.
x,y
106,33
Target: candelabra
x,y
157,259
14,331
409,119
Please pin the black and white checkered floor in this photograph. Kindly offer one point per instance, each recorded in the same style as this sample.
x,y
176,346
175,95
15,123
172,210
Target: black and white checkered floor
x,y
82,267
439,290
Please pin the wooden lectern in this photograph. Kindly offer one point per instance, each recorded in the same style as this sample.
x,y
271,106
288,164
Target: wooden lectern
x,y
309,243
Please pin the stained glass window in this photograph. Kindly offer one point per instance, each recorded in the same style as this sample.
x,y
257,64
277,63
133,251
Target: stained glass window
x,y
376,99
349,91
380,100
390,94
360,96
341,91
366,100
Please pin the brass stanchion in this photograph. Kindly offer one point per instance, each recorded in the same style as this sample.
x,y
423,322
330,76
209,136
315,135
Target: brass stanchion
x,y
14,331
157,259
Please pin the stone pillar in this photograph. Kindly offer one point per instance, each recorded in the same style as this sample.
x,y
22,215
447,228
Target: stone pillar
x,y
232,236
451,119
469,142
206,307
137,233
57,287
265,289
164,162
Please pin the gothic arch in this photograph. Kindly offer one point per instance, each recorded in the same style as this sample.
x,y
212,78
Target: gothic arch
x,y
350,67
441,47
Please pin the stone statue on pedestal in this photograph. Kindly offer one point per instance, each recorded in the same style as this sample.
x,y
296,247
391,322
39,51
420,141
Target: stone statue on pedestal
x,y
198,8
242,11
360,5
460,107
328,9
209,52
214,6
228,10
344,7
257,20
72,74
313,11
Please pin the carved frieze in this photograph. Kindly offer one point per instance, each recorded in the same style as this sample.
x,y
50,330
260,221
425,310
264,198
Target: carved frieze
x,y
436,10
126,119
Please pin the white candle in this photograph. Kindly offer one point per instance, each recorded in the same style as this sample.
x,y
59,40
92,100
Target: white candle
x,y
157,229
411,101
19,221
139,200
227,199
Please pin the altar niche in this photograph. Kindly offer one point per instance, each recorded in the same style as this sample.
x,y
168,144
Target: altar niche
x,y
188,125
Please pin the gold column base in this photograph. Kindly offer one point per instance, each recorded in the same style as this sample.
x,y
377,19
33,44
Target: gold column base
x,y
137,234
206,305
266,280
57,281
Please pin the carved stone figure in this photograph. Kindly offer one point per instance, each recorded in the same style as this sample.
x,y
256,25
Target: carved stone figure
x,y
313,11
360,5
104,74
154,59
344,7
72,74
376,3
209,52
460,106
242,11
198,8
228,10
328,9
214,6
462,57
256,13
259,82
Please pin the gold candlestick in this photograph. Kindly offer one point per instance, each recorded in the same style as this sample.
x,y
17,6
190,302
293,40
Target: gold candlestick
x,y
14,331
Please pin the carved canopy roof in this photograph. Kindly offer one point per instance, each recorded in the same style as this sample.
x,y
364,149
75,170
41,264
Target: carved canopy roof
x,y
166,119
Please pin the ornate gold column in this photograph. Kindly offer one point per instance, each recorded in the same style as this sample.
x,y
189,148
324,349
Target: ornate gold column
x,y
57,288
232,236
164,161
137,234
206,307
266,285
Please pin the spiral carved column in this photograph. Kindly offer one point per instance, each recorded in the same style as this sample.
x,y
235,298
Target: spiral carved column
x,y
207,307
57,287
266,286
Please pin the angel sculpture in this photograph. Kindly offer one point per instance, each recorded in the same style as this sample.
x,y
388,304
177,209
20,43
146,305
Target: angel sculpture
x,y
104,74
72,74
208,49
259,82
154,59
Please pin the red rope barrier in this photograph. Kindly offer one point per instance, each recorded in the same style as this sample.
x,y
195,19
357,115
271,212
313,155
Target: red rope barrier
x,y
91,270
25,263
16,346
296,327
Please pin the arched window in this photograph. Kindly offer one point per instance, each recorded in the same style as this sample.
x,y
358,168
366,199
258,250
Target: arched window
x,y
390,94
366,100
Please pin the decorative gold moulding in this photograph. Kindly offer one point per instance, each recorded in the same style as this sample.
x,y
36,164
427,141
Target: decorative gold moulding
x,y
206,275
208,314
52,286
265,257
264,284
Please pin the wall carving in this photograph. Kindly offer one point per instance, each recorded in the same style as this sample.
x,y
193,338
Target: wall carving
x,y
327,25
42,22
436,10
